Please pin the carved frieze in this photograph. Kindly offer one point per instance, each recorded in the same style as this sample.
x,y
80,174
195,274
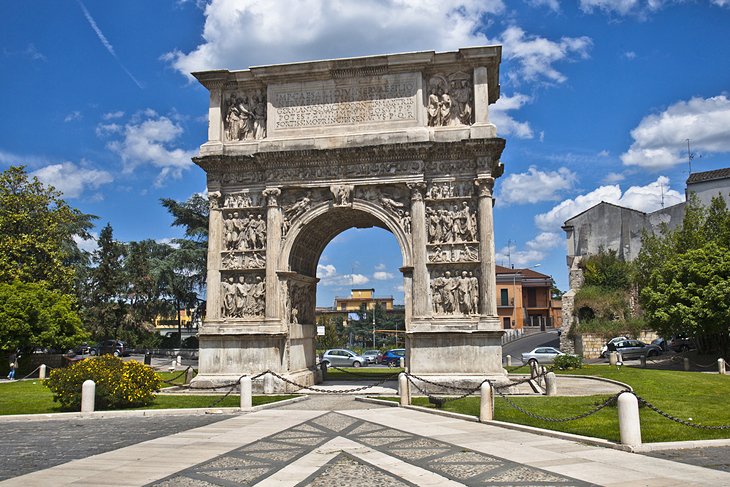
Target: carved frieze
x,y
454,224
243,260
243,199
455,294
449,189
450,100
244,231
300,302
341,194
245,116
243,296
446,253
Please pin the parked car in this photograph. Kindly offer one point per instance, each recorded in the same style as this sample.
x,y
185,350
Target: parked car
x,y
115,347
373,356
391,358
83,349
607,347
341,357
541,355
635,349
681,343
661,343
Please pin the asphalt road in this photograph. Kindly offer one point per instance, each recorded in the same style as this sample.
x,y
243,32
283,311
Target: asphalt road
x,y
525,344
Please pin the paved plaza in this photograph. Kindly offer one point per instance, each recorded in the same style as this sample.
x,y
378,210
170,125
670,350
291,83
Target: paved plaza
x,y
326,440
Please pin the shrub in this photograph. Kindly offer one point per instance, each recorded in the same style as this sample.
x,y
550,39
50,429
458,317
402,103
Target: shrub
x,y
565,362
119,384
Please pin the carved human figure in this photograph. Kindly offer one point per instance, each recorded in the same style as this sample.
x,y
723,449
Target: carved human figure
x,y
434,109
228,291
241,235
341,194
446,108
294,318
243,291
449,293
259,116
461,94
297,209
463,293
229,232
257,233
234,119
391,204
474,293
259,296
244,108
437,290
405,221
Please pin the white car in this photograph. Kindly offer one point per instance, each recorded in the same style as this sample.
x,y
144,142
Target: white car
x,y
604,349
541,355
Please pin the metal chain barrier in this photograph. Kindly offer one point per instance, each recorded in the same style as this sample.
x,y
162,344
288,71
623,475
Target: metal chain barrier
x,y
440,400
33,372
171,381
679,420
355,374
608,402
328,391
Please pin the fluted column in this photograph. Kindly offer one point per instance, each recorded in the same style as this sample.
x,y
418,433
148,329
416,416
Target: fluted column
x,y
488,285
273,246
215,246
419,239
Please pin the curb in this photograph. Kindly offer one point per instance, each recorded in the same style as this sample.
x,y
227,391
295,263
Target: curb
x,y
146,413
599,379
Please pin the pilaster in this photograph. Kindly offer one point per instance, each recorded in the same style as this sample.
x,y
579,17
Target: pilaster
x,y
215,244
419,238
487,268
273,247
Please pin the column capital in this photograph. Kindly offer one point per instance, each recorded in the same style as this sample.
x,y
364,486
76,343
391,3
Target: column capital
x,y
271,194
417,190
485,185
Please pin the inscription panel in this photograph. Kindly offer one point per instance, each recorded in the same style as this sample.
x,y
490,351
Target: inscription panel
x,y
343,104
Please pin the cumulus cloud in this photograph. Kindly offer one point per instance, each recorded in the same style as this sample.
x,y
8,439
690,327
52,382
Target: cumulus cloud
x,y
87,245
113,115
329,277
613,177
149,138
506,125
642,198
75,115
72,179
660,139
553,5
537,55
533,252
534,186
242,33
382,276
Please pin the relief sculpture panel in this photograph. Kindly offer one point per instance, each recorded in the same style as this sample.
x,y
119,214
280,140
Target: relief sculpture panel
x,y
244,296
245,116
455,294
244,231
450,100
454,224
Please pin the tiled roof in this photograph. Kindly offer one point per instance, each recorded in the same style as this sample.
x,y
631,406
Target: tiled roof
x,y
699,177
523,272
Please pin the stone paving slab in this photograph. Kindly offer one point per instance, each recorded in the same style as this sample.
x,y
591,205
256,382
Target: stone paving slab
x,y
395,446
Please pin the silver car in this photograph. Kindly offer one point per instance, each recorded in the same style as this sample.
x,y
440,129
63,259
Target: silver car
x,y
541,355
340,357
635,349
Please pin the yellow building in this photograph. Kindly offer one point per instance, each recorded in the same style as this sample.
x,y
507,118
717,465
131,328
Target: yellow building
x,y
524,300
358,297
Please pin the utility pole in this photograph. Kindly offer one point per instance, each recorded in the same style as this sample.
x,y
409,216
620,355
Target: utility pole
x,y
374,305
690,156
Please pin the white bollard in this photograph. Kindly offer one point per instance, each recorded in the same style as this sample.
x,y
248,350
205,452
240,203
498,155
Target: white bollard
x,y
642,360
88,396
179,360
402,362
268,384
628,419
246,393
509,360
189,375
403,389
551,385
486,403
721,366
42,371
686,364
612,358
172,365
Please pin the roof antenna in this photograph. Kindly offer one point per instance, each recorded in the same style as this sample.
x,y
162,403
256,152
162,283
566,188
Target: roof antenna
x,y
690,156
509,253
661,186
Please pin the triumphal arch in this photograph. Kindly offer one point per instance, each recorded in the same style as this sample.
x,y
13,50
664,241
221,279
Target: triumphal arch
x,y
298,153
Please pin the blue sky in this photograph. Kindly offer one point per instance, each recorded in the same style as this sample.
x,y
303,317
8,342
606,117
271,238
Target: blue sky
x,y
598,99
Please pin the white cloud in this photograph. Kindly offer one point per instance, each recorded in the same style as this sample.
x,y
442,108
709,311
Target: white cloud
x,y
553,5
534,186
613,177
721,3
382,276
630,55
113,115
622,7
545,241
381,267
75,115
660,139
13,159
535,250
537,55
329,277
33,53
506,125
242,33
149,138
87,245
642,198
72,179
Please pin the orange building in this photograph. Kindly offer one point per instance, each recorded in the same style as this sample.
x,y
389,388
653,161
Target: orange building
x,y
358,297
524,300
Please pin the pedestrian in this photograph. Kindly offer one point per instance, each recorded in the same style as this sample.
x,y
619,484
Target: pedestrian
x,y
13,365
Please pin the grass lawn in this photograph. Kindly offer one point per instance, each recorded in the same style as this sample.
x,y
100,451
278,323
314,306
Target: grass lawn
x,y
32,397
702,397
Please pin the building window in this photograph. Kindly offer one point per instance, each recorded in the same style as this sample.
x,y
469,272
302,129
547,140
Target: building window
x,y
532,298
505,323
504,298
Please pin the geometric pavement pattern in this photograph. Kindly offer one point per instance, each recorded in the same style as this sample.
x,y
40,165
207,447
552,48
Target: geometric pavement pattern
x,y
257,461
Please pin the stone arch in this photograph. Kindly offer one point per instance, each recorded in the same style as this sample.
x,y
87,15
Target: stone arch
x,y
308,237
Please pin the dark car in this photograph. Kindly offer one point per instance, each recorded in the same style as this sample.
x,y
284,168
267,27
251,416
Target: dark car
x,y
635,349
391,358
114,347
681,343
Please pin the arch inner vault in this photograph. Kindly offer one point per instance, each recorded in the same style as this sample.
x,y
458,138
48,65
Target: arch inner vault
x,y
298,153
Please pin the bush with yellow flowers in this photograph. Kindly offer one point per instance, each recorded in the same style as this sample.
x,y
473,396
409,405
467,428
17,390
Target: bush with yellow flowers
x,y
119,384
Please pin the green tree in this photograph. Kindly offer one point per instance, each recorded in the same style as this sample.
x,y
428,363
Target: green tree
x,y
606,270
690,293
31,315
106,306
37,230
